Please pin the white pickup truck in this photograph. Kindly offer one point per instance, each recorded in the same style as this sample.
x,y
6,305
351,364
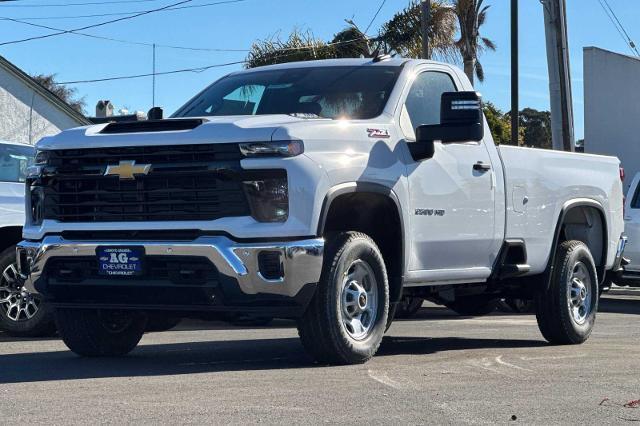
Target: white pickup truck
x,y
321,191
21,314
631,274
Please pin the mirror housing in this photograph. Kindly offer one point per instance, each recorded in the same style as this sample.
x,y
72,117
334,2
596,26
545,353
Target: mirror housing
x,y
461,120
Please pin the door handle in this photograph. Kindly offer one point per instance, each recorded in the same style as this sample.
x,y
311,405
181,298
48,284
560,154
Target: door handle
x,y
481,167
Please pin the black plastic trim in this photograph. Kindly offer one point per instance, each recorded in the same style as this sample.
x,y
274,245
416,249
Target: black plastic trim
x,y
556,237
169,125
366,187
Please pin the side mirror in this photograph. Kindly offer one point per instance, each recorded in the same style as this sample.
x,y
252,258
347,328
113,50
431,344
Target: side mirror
x,y
461,120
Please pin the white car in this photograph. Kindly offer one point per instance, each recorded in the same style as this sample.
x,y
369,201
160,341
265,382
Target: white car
x,y
21,314
631,275
322,191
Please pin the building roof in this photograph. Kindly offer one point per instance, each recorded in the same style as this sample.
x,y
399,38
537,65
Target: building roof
x,y
43,91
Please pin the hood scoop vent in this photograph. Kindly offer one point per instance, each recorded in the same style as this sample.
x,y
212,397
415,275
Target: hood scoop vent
x,y
151,126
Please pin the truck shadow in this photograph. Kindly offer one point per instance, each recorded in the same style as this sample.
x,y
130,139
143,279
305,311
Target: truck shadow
x,y
211,357
620,305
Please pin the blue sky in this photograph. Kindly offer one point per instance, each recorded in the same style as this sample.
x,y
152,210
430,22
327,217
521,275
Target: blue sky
x,y
237,25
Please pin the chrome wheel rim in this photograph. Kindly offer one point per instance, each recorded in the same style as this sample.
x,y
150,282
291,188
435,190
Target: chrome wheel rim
x,y
579,293
359,300
16,303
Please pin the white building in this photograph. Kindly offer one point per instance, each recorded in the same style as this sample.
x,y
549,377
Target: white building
x,y
612,107
28,111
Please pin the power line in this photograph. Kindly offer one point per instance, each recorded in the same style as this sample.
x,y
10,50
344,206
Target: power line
x,y
375,16
117,40
129,77
619,27
201,69
104,15
94,25
94,3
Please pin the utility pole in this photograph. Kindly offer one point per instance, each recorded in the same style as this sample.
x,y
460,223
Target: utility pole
x,y
153,96
515,88
555,25
425,17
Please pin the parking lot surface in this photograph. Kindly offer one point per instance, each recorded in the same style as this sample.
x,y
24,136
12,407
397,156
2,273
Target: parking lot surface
x,y
438,368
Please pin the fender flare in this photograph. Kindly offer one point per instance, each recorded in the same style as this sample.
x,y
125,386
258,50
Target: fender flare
x,y
375,188
566,207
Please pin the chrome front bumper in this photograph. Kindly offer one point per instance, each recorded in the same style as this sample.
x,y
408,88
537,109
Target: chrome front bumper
x,y
301,260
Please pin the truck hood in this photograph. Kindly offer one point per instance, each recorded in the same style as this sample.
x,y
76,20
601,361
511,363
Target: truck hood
x,y
227,129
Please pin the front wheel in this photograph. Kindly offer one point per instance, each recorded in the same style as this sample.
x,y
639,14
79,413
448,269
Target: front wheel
x,y
22,314
98,333
347,317
566,311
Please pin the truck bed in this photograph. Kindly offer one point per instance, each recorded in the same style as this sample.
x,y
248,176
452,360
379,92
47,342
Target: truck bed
x,y
540,182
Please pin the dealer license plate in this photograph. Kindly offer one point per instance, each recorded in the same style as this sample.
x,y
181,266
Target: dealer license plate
x,y
120,261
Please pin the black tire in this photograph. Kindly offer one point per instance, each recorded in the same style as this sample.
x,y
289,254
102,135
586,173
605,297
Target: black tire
x,y
408,307
321,329
100,333
41,324
473,306
556,320
158,322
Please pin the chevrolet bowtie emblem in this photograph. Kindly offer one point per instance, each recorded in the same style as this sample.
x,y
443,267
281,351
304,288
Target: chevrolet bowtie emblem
x,y
128,170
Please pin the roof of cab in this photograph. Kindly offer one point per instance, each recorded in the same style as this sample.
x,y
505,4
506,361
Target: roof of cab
x,y
330,63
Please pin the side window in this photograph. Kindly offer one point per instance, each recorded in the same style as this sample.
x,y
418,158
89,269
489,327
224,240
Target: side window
x,y
635,203
423,101
14,161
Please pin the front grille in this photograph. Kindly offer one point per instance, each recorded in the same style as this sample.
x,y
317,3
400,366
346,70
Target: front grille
x,y
186,182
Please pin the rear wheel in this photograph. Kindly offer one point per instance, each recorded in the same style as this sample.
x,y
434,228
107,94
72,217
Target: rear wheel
x,y
21,313
347,317
96,333
566,311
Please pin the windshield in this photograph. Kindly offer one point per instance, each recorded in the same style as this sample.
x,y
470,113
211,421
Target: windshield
x,y
14,160
352,92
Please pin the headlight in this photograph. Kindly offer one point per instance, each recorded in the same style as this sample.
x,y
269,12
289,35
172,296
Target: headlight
x,y
36,201
268,199
42,158
35,171
272,149
34,190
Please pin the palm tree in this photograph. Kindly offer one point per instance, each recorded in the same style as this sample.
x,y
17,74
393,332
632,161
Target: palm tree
x,y
402,34
471,16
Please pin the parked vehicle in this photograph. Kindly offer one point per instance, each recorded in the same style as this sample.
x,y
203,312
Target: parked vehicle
x,y
21,313
321,191
631,274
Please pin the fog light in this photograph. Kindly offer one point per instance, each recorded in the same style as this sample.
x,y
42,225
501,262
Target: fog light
x,y
270,265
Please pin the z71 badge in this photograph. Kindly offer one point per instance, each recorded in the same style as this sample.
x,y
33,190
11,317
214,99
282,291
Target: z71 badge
x,y
430,212
378,133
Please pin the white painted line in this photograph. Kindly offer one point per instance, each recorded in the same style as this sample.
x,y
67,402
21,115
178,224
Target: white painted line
x,y
500,361
384,379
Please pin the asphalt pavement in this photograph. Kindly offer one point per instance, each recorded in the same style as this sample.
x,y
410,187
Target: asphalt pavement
x,y
438,368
